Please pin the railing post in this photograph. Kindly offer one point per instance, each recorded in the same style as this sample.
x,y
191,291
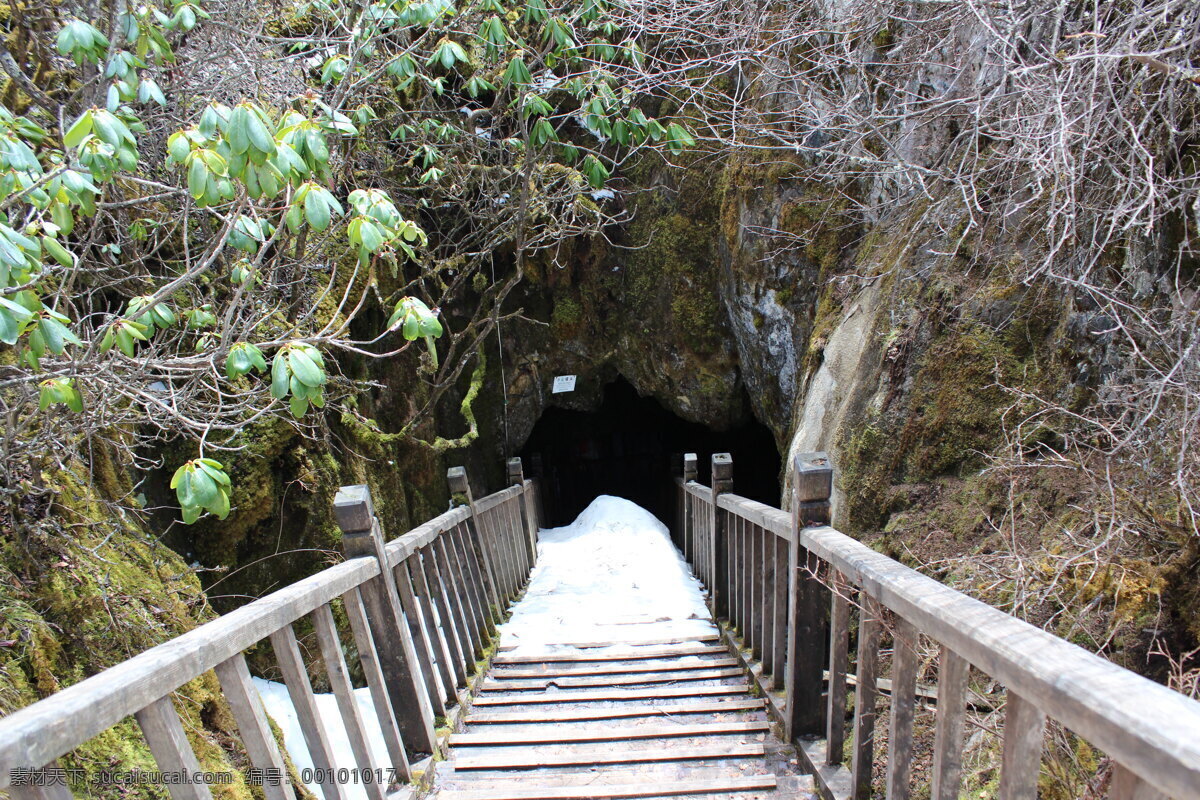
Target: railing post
x,y
722,481
362,537
689,527
516,477
808,599
459,485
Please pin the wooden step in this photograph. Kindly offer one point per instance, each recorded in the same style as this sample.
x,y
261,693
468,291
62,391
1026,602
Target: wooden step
x,y
707,637
601,681
753,783
622,734
565,715
613,669
599,757
636,655
589,696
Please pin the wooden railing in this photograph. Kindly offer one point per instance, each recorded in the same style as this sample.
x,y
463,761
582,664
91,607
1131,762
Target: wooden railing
x,y
786,586
422,608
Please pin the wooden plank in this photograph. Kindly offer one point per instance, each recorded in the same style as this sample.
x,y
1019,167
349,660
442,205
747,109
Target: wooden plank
x,y
404,546
369,661
629,733
707,637
833,781
766,517
862,759
455,588
754,602
734,563
803,684
593,791
1024,728
41,732
1124,785
613,669
343,692
561,716
434,635
468,562
951,716
172,751
295,676
393,642
637,655
252,723
505,572
1143,725
482,562
495,499
53,789
766,598
422,644
905,664
445,618
839,657
465,612
601,681
779,606
615,695
600,757
520,537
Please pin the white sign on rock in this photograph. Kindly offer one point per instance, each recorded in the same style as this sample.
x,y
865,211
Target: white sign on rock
x,y
563,383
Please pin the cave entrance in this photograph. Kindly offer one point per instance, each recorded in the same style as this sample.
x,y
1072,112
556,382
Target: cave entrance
x,y
632,447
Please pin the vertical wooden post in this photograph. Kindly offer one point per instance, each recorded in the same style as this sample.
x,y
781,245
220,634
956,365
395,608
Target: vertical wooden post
x,y
251,718
1024,729
812,486
516,477
722,481
689,525
172,751
951,716
839,659
459,485
862,758
362,537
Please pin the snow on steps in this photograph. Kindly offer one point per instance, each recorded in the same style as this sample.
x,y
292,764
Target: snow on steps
x,y
611,682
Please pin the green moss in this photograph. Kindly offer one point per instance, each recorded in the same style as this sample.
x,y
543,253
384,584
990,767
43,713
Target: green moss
x,y
566,320
84,589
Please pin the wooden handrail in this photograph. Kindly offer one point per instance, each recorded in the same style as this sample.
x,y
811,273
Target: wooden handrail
x,y
39,733
1151,732
443,559
1145,726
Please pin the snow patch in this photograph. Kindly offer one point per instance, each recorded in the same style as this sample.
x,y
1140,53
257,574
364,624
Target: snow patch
x,y
278,704
612,575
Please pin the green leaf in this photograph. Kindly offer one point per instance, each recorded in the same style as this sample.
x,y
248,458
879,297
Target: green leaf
x,y
58,252
204,488
55,334
197,178
281,376
220,506
316,210
79,130
298,405
9,329
304,368
517,74
260,138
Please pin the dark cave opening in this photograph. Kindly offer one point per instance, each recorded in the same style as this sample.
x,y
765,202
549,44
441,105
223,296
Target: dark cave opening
x,y
632,447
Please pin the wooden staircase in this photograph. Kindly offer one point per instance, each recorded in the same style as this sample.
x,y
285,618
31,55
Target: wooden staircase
x,y
655,719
